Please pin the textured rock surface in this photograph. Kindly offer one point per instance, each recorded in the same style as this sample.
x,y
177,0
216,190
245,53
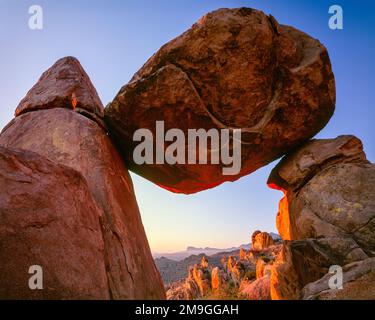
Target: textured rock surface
x,y
299,263
202,277
241,274
358,283
196,286
178,290
76,141
261,240
235,68
191,289
258,289
48,218
329,187
329,199
260,268
64,85
218,278
67,137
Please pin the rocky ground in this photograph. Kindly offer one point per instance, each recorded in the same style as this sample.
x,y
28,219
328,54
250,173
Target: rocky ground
x,y
172,270
243,274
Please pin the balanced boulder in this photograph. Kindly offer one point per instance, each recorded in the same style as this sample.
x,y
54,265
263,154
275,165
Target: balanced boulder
x,y
233,69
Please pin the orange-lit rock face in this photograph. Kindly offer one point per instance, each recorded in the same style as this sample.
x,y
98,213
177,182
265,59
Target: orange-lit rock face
x,y
283,220
202,278
74,101
284,283
198,282
329,197
260,266
191,289
204,262
261,240
242,254
217,279
298,263
235,68
230,263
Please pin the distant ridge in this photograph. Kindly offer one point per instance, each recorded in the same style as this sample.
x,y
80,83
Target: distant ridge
x,y
190,250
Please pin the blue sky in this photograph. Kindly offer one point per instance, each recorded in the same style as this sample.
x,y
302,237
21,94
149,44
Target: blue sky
x,y
113,39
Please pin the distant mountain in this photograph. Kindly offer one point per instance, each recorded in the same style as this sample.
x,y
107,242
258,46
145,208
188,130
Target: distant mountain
x,y
172,270
275,236
178,256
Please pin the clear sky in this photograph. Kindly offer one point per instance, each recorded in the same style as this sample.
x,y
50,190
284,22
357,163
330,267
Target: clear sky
x,y
112,40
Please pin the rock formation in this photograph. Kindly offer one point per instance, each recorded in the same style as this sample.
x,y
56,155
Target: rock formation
x,y
49,219
204,262
65,85
49,123
262,267
358,283
242,254
243,275
261,240
234,68
257,290
196,285
200,274
327,212
218,279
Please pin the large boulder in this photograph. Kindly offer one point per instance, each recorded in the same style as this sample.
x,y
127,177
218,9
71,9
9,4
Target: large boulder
x,y
66,136
330,195
48,218
261,240
327,212
233,69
